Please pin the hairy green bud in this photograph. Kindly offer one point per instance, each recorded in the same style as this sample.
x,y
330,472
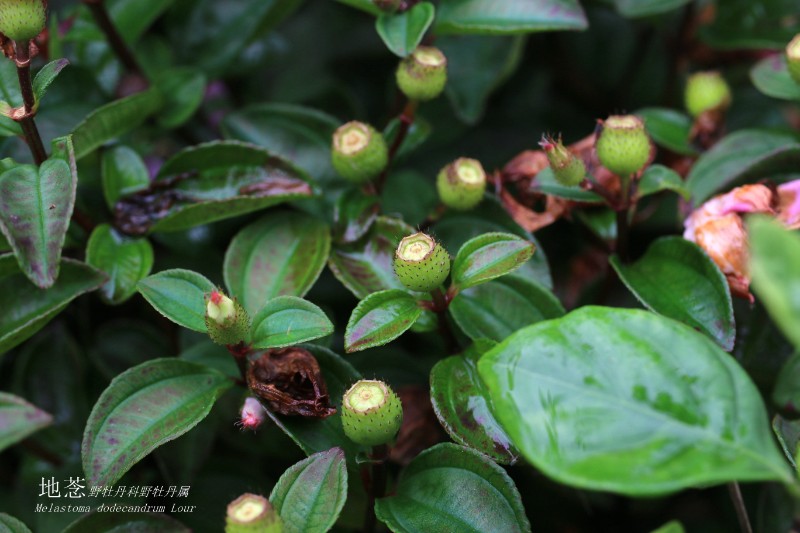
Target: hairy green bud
x,y
461,184
622,144
251,513
421,263
358,152
568,169
371,413
707,91
793,58
226,320
22,20
423,74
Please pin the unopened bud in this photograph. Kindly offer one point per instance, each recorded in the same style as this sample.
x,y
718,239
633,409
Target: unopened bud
x,y
423,74
421,263
22,20
371,413
568,169
707,91
622,145
461,184
226,320
251,513
252,415
793,58
358,152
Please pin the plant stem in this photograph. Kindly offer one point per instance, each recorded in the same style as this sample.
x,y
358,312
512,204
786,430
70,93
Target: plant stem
x,y
239,353
623,214
406,120
22,59
375,484
115,40
440,304
741,511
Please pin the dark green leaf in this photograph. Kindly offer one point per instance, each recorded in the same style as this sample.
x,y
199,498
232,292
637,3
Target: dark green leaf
x,y
143,408
418,133
45,77
677,279
183,90
744,24
676,410
363,5
18,419
745,155
787,387
354,215
29,308
659,178
788,434
497,309
105,522
672,526
402,32
774,260
380,318
452,488
546,182
124,172
509,16
35,208
124,260
772,78
668,128
130,17
365,267
179,295
489,256
114,120
282,253
13,525
646,8
461,404
287,321
310,495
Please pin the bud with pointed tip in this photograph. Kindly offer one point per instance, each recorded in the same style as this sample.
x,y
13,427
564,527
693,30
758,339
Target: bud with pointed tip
x,y
793,58
251,513
252,415
226,320
22,20
461,184
358,152
421,263
622,144
568,169
423,74
371,413
706,91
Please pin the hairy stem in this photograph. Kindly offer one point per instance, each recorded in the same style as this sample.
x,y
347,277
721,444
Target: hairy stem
x,y
406,120
115,40
240,352
440,304
741,511
22,59
623,210
374,484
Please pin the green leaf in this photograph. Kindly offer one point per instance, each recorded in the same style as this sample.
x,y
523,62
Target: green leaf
x,y
287,321
508,16
673,526
114,120
143,408
497,309
462,406
546,183
418,133
18,419
281,254
124,260
668,128
380,318
646,8
29,308
365,267
659,178
12,525
105,522
402,32
774,260
489,256
677,279
745,155
310,495
45,77
124,172
363,5
771,77
676,410
354,214
35,209
183,90
788,434
452,488
742,24
179,295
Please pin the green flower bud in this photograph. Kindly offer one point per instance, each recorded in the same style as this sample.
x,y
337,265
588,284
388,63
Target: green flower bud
x,y
251,513
421,263
568,169
358,152
389,6
22,20
622,144
371,413
423,74
226,320
793,58
707,91
461,184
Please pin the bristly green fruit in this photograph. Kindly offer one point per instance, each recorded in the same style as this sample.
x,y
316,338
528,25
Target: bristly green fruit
x,y
251,513
461,184
793,58
22,20
227,321
371,413
568,168
622,144
423,74
358,152
421,263
706,91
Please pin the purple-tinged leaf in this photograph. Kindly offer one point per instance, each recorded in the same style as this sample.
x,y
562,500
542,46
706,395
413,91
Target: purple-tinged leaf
x,y
18,419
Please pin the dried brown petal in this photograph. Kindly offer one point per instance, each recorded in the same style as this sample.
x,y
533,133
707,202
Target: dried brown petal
x,y
529,219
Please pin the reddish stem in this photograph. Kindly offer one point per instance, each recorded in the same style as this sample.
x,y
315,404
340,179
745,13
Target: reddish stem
x,y
406,120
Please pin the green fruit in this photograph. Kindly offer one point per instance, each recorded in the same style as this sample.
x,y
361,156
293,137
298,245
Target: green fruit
x,y
358,152
423,74
251,513
793,58
421,263
227,322
706,91
568,169
622,145
461,184
22,20
371,413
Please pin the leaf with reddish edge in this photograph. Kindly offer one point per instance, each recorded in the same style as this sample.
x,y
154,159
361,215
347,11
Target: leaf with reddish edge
x,y
18,419
489,256
143,408
380,318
